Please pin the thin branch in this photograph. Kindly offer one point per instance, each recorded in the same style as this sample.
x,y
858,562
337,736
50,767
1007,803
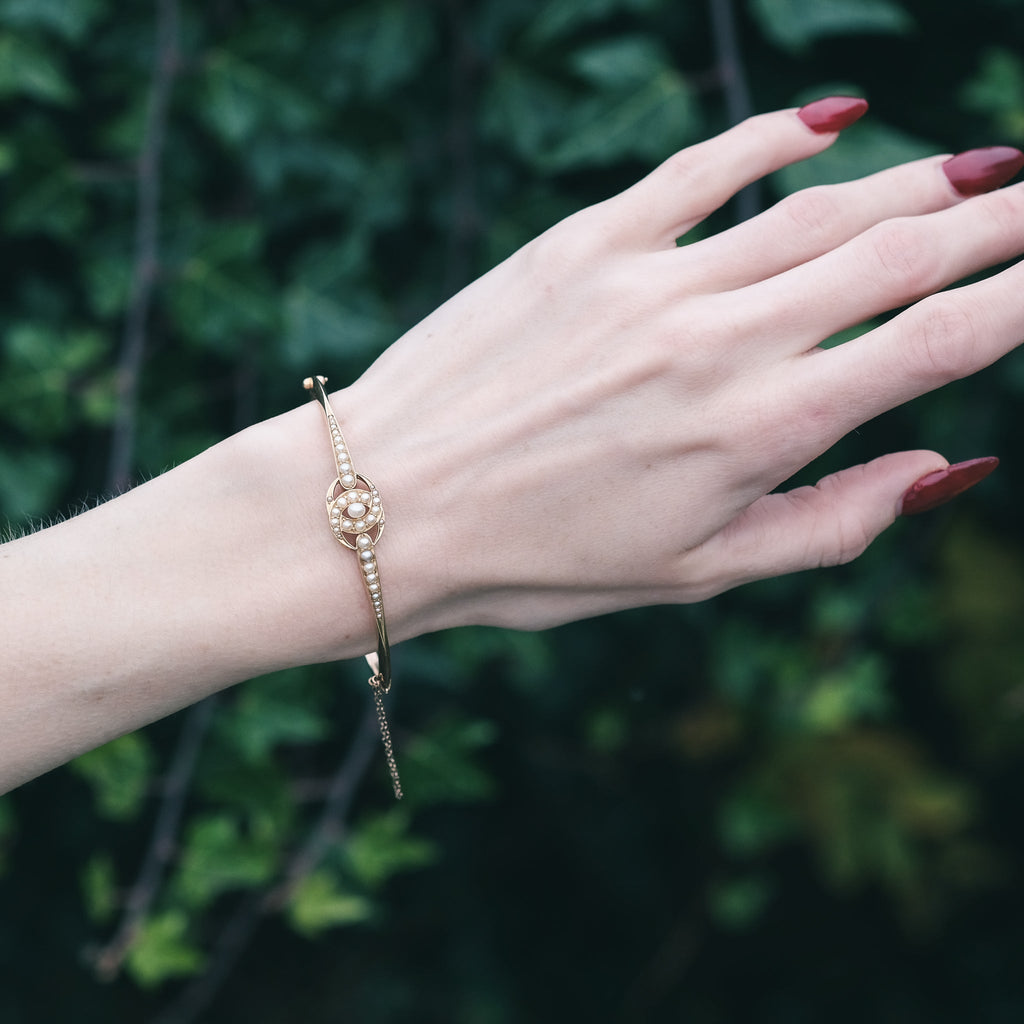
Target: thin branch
x,y
332,823
465,227
737,93
236,935
148,177
164,840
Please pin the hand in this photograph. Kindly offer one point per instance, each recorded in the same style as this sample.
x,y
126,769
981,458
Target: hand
x,y
600,421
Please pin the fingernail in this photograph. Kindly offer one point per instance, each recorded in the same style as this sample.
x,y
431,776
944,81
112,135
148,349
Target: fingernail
x,y
939,487
832,114
981,170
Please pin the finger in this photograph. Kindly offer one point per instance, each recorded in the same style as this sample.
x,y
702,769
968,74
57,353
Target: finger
x,y
828,524
817,220
940,339
696,181
889,265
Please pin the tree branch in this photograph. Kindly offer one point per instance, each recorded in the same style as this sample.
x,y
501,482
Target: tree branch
x,y
146,255
238,932
164,841
733,78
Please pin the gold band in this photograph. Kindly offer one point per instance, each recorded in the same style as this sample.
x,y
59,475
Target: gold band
x,y
356,515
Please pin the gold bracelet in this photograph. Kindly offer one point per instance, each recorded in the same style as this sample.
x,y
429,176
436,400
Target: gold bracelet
x,y
356,515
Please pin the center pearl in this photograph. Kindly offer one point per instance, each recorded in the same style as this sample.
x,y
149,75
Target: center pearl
x,y
356,510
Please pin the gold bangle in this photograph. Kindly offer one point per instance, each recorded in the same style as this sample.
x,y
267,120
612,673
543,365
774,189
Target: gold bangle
x,y
356,515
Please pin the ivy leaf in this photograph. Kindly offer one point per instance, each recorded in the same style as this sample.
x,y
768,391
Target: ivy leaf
x,y
317,325
217,858
648,121
70,19
52,205
119,773
99,888
263,717
795,24
242,97
28,70
383,846
998,91
378,46
319,902
440,766
163,950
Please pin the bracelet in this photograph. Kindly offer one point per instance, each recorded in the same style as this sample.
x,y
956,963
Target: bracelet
x,y
356,516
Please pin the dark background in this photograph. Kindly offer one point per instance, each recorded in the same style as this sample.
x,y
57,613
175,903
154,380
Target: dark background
x,y
798,802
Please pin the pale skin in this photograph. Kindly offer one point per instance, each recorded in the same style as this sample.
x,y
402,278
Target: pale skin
x,y
598,423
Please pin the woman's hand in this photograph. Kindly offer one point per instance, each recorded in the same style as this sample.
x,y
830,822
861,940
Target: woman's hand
x,y
601,421
598,423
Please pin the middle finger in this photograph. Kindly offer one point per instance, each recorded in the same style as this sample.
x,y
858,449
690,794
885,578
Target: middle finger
x,y
816,220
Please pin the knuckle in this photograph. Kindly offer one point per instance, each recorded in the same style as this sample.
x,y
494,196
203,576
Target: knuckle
x,y
814,211
851,542
906,257
571,245
945,338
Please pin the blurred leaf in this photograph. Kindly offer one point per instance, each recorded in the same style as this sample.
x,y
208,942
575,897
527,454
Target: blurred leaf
x,y
997,90
8,830
100,888
68,18
318,902
242,97
644,109
383,846
29,70
558,18
794,24
318,326
51,205
264,716
737,904
861,150
380,45
855,692
216,858
438,765
163,950
31,481
750,823
119,774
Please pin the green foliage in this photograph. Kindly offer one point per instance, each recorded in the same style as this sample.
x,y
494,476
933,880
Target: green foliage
x,y
795,24
319,903
383,846
119,774
802,773
217,857
163,950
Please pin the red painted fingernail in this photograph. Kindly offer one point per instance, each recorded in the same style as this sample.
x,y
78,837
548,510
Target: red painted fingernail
x,y
832,114
982,170
939,487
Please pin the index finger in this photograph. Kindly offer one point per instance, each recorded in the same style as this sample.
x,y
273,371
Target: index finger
x,y
694,182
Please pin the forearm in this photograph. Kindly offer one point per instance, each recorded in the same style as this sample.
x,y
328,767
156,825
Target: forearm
x,y
220,570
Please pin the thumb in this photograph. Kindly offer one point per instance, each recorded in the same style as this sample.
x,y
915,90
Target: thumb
x,y
834,521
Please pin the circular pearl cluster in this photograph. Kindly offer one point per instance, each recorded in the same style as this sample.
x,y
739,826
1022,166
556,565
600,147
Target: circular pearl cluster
x,y
356,510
